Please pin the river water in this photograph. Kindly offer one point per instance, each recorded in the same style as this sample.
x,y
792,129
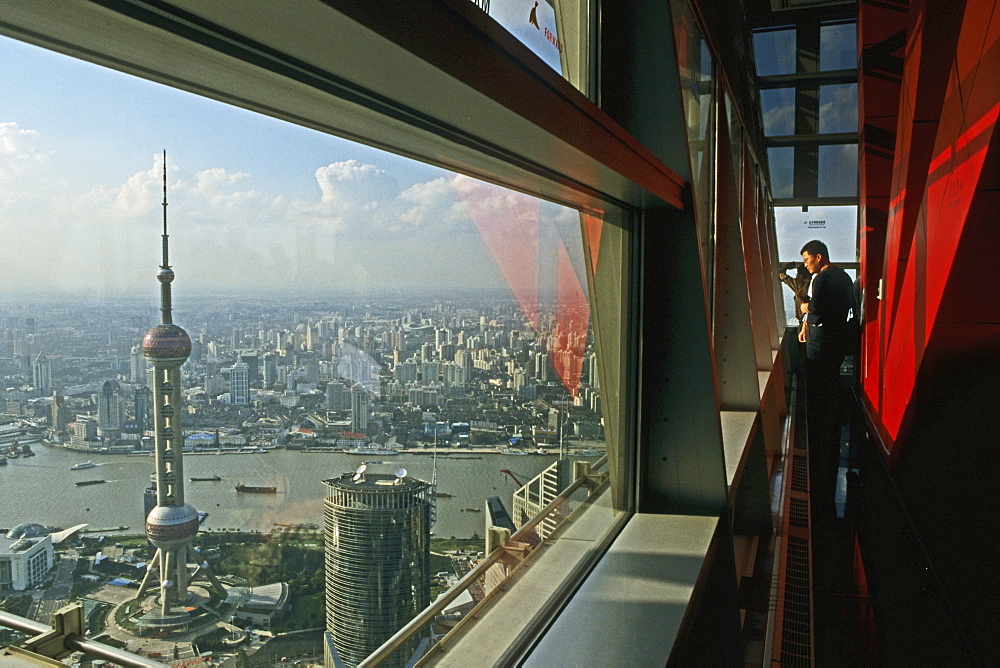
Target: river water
x,y
40,489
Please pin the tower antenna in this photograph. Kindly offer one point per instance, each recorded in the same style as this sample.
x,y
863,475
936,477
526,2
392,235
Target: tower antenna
x,y
166,274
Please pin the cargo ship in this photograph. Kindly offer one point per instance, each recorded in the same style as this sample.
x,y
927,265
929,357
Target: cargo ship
x,y
213,478
256,490
82,483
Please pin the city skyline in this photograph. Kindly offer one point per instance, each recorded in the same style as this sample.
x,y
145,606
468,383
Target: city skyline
x,y
259,204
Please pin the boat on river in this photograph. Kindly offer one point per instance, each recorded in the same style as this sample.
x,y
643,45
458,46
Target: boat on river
x,y
84,465
213,478
250,489
83,483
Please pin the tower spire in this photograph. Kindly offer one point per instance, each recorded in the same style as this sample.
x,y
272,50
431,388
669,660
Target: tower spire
x,y
166,274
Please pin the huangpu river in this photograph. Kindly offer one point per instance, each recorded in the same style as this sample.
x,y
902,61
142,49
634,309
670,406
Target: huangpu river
x,y
41,489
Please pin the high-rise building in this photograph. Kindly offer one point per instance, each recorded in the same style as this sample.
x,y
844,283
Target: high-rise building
x,y
377,562
270,370
239,383
136,365
41,373
59,414
252,360
110,413
359,409
173,524
143,406
338,397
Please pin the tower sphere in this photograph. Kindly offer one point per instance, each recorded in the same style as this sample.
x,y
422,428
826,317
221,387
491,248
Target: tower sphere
x,y
165,275
170,526
167,345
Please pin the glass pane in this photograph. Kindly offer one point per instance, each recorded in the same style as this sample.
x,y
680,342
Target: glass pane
x,y
697,73
555,30
838,108
836,226
343,307
838,170
774,51
838,47
778,108
781,161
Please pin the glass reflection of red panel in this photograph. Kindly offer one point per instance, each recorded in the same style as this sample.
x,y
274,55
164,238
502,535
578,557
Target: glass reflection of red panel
x,y
593,226
572,318
508,224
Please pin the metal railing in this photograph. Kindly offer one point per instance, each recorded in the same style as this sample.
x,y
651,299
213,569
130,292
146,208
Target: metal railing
x,y
429,613
56,642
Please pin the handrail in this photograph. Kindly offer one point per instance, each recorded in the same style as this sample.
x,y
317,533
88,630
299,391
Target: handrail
x,y
79,643
428,614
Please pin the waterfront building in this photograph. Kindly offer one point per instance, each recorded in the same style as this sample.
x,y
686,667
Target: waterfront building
x,y
377,562
26,556
59,413
109,409
172,524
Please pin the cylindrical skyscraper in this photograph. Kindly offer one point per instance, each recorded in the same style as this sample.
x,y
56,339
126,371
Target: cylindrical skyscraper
x,y
172,525
377,561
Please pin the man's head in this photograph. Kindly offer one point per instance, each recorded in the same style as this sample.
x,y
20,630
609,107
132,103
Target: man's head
x,y
815,256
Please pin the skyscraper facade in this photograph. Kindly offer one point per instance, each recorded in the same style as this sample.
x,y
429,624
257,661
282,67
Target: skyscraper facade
x,y
41,373
109,408
359,409
239,382
377,562
172,525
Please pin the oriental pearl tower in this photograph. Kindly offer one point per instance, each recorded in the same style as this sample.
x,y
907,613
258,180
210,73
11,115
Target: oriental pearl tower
x,y
173,524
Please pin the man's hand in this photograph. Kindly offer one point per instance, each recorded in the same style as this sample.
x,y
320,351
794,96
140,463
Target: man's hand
x,y
802,332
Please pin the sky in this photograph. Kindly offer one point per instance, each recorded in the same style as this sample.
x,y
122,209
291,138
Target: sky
x,y
255,204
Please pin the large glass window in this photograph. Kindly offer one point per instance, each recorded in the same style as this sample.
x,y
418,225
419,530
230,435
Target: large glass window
x,y
781,162
775,51
838,170
346,308
698,90
838,108
778,109
838,47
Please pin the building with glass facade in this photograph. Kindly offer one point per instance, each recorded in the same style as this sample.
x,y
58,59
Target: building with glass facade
x,y
377,562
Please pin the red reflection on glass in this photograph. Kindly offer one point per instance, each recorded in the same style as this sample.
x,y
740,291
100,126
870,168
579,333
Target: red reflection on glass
x,y
507,222
572,318
593,226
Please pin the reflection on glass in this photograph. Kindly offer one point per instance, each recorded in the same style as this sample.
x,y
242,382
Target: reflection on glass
x,y
347,308
838,47
774,51
555,30
778,109
697,73
838,108
781,161
838,170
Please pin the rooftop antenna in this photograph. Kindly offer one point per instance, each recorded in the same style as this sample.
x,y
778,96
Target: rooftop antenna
x,y
359,473
166,274
400,474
